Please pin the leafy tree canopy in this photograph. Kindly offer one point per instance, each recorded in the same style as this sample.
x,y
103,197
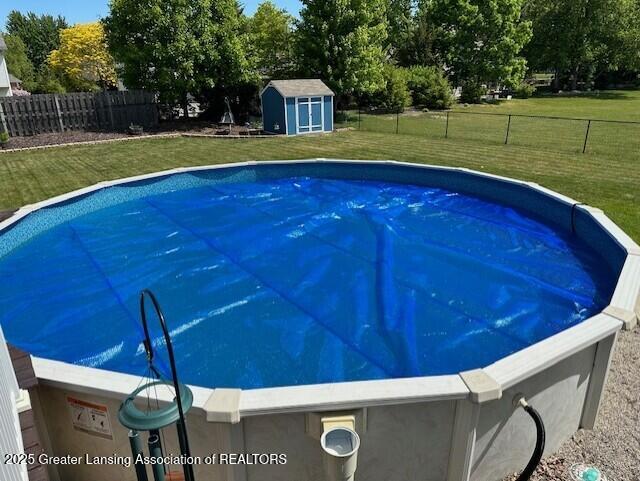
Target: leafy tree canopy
x,y
39,33
479,41
18,62
270,42
177,47
419,46
583,37
342,42
400,26
83,58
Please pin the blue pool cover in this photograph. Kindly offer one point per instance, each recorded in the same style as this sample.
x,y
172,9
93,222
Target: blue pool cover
x,y
297,280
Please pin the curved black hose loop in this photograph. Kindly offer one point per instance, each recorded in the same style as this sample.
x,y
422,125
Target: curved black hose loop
x,y
149,349
539,449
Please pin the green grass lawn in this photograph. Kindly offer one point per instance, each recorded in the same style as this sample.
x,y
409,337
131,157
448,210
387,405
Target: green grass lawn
x,y
481,124
609,183
606,105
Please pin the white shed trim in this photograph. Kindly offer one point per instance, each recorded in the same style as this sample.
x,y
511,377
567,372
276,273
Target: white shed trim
x,y
310,103
286,116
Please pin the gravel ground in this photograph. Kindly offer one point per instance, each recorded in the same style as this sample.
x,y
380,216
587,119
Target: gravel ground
x,y
614,445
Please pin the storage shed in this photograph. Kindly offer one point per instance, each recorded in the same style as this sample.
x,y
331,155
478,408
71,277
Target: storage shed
x,y
301,106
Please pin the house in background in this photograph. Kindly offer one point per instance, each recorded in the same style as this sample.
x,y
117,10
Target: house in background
x,y
294,107
5,85
16,86
15,82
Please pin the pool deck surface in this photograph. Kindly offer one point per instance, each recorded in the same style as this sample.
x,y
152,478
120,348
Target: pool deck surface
x,y
614,445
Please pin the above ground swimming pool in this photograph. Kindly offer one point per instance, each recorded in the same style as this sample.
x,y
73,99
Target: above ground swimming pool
x,y
295,274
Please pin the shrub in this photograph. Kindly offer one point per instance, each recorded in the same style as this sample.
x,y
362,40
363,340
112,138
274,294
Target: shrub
x,y
472,93
47,82
344,117
524,90
429,87
4,137
395,96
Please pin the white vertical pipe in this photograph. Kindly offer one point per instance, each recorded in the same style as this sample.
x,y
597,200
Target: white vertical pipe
x,y
10,431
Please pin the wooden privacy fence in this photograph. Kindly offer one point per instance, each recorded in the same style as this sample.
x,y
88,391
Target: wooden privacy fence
x,y
107,111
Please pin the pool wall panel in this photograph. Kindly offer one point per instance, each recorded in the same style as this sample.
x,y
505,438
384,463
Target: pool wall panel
x,y
205,438
506,437
589,230
409,442
555,209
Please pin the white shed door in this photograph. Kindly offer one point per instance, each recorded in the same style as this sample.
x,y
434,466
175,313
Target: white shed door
x,y
310,114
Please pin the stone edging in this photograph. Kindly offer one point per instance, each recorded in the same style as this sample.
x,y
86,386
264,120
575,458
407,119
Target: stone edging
x,y
139,137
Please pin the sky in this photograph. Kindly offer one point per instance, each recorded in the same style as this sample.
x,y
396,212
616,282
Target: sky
x,y
78,11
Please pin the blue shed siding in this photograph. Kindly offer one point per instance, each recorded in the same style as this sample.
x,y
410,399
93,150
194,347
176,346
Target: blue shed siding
x,y
328,113
280,115
273,111
291,116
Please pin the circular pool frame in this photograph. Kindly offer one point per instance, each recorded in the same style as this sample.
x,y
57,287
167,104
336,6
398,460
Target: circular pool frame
x,y
470,418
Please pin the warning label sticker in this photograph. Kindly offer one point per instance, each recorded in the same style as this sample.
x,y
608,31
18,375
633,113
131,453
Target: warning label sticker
x,y
89,417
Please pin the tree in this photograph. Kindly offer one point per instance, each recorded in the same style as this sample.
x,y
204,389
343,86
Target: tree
x,y
581,38
429,87
395,96
419,46
177,47
83,58
18,62
342,42
400,23
39,33
479,41
270,32
632,36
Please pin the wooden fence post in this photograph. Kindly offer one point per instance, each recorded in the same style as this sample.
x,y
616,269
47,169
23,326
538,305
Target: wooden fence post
x,y
3,121
29,116
110,110
56,101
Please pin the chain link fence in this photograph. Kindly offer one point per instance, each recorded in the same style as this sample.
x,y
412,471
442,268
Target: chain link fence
x,y
561,134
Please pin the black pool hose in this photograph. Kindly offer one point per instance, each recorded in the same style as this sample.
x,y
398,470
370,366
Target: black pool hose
x,y
540,440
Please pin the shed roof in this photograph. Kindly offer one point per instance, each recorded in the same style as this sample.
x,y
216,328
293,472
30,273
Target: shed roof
x,y
3,46
300,87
